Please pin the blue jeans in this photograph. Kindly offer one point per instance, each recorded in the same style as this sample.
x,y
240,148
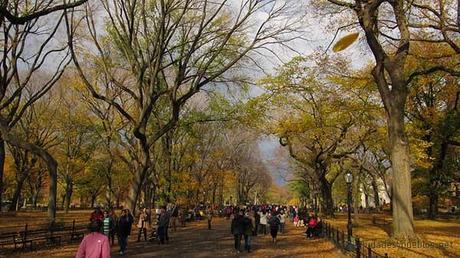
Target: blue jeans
x,y
123,241
247,242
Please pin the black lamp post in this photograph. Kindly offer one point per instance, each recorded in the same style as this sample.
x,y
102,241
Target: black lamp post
x,y
349,180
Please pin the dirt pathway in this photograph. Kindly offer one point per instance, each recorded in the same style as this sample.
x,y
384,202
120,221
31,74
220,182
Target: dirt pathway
x,y
196,241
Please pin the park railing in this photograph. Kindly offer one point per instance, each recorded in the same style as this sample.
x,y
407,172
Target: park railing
x,y
355,245
30,236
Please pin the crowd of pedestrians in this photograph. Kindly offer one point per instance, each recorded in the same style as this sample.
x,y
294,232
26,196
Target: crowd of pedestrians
x,y
246,223
269,219
106,226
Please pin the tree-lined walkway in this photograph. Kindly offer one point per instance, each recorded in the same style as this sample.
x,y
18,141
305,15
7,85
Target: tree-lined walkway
x,y
196,240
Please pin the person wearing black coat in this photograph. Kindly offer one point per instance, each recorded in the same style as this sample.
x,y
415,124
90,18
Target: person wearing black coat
x,y
237,229
248,227
274,223
162,226
256,222
125,223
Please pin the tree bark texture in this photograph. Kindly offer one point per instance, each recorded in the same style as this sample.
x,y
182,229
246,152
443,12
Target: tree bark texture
x,y
375,189
2,169
68,194
136,186
327,204
402,188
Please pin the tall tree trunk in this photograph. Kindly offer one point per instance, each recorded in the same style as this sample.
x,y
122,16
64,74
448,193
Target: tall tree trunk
x,y
141,170
168,151
433,206
63,200
68,194
136,187
402,187
213,199
197,195
109,190
327,205
144,195
433,194
35,198
135,193
153,197
366,200
458,13
17,193
221,191
17,205
356,199
391,202
375,189
148,196
93,200
435,179
2,169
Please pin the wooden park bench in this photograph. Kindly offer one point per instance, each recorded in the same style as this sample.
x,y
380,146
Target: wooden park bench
x,y
77,232
6,239
32,236
46,235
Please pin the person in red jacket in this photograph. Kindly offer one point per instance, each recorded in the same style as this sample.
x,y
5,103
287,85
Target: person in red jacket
x,y
97,214
95,244
312,222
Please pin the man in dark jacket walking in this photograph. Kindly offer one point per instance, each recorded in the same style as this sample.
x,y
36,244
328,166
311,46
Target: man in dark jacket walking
x,y
124,229
162,229
248,226
274,223
237,229
256,222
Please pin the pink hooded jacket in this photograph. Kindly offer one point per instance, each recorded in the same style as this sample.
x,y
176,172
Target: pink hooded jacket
x,y
94,245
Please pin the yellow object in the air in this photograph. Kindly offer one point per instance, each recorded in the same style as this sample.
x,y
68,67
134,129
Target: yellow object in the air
x,y
345,42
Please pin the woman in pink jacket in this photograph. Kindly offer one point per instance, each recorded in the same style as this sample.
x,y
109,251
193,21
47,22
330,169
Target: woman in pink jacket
x,y
95,244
